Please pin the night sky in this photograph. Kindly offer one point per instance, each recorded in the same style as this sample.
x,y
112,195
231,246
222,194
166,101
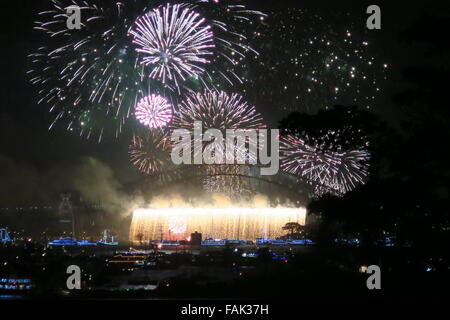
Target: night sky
x,y
25,138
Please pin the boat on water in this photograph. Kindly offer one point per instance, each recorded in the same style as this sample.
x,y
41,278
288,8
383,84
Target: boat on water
x,y
64,242
70,242
107,240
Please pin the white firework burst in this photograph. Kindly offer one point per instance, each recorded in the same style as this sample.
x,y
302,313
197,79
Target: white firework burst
x,y
328,171
222,111
174,42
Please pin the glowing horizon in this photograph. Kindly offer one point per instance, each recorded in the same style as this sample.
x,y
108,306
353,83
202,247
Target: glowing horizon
x,y
244,223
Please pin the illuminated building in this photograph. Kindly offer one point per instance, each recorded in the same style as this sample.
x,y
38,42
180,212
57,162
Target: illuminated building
x,y
218,223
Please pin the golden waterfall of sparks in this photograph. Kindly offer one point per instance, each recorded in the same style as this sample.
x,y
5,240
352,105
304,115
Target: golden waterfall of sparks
x,y
244,223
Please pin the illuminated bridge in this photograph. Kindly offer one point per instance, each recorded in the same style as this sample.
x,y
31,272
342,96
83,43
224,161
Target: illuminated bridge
x,y
287,196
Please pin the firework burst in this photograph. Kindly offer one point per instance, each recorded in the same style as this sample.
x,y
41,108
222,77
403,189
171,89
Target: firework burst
x,y
219,110
330,171
174,42
154,111
150,151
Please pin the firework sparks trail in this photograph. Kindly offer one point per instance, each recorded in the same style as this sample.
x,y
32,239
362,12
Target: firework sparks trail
x,y
228,180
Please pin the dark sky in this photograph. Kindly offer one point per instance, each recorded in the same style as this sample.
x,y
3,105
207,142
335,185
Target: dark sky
x,y
24,135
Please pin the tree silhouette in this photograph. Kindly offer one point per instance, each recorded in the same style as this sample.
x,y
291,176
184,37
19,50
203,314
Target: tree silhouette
x,y
294,229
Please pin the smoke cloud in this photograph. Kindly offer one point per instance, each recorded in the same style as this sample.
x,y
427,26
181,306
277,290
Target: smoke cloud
x,y
89,179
